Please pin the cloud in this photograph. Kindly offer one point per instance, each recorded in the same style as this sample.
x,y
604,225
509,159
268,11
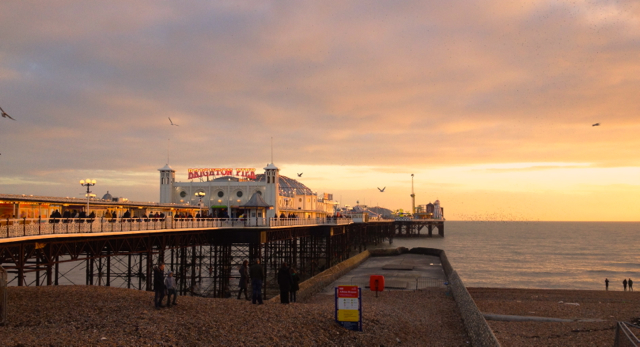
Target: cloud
x,y
397,86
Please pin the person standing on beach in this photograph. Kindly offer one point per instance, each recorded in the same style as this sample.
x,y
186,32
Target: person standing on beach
x,y
606,283
295,286
244,279
630,285
170,283
158,285
624,284
256,272
284,282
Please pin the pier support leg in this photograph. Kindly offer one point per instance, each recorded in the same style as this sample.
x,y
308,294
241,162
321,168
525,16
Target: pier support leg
x,y
56,270
108,268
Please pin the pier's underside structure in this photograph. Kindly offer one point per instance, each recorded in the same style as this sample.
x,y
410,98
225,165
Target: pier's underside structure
x,y
414,227
205,262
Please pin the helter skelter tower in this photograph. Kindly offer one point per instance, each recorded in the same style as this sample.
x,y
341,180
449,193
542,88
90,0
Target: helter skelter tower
x,y
413,198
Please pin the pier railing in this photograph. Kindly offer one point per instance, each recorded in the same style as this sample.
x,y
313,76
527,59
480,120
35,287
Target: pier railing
x,y
21,227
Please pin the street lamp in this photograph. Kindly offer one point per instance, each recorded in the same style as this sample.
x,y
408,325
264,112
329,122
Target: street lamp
x,y
88,183
229,197
200,195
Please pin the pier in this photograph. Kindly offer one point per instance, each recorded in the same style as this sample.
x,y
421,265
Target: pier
x,y
203,253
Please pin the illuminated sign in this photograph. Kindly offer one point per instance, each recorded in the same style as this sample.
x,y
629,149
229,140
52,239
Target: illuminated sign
x,y
213,172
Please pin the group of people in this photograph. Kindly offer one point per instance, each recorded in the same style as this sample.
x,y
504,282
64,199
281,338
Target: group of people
x,y
624,284
253,275
66,217
290,215
288,281
163,284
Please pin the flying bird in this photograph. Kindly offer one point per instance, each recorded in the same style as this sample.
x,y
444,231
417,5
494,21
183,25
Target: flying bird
x,y
381,190
596,125
5,115
170,121
300,174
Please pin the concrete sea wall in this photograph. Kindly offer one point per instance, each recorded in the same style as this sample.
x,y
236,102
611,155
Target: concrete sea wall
x,y
478,329
320,281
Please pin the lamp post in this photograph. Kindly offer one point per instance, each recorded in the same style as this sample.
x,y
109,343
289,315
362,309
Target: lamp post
x,y
88,183
229,198
200,195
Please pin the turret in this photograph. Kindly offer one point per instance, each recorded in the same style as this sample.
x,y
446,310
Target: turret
x,y
167,179
272,175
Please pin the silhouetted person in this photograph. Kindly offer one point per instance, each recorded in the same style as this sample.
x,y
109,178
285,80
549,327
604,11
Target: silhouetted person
x,y
606,283
244,279
257,276
624,284
170,283
630,285
158,285
284,282
295,286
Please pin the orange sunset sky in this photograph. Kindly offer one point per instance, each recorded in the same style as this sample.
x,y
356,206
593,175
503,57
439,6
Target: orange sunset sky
x,y
490,104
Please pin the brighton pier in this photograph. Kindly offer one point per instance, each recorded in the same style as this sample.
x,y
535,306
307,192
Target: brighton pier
x,y
115,242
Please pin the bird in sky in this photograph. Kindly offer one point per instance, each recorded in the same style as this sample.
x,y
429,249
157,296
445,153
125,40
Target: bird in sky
x,y
170,121
381,190
5,115
300,174
596,125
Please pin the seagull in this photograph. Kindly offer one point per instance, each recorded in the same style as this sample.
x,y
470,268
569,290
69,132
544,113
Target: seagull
x,y
381,190
170,121
596,125
5,115
300,174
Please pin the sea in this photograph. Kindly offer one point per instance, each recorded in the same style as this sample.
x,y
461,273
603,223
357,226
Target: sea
x,y
544,255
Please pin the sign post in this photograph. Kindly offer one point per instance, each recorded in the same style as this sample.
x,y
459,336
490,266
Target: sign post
x,y
348,311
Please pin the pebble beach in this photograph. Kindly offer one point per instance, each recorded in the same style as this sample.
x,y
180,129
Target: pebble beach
x,y
92,315
608,306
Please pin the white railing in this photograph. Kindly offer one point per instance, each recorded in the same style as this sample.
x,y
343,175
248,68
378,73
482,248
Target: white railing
x,y
21,227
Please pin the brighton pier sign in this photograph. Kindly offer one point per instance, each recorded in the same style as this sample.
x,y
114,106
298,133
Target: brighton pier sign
x,y
218,172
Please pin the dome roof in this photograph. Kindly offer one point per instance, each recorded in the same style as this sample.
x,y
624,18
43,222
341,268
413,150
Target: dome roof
x,y
288,186
107,196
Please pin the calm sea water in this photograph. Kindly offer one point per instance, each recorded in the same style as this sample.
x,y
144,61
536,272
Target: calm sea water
x,y
558,255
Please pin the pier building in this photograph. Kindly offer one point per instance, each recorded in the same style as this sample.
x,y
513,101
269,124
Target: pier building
x,y
226,191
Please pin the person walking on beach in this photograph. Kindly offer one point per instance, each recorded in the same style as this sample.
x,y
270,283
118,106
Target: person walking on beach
x,y
295,286
244,279
158,285
256,272
606,283
284,282
170,283
630,285
624,284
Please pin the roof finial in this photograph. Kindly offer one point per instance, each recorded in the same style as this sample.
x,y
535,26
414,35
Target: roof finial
x,y
271,149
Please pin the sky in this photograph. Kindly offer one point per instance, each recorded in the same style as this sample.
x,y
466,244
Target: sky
x,y
490,104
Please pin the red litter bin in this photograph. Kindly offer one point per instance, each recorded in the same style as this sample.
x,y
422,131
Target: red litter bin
x,y
376,283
